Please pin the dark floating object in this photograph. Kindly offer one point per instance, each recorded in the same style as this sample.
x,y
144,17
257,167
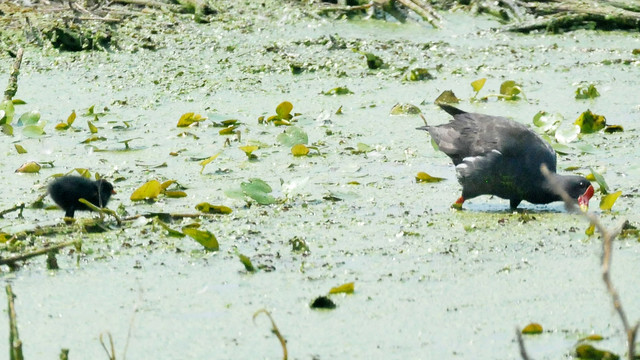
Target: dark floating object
x,y
67,190
497,156
322,302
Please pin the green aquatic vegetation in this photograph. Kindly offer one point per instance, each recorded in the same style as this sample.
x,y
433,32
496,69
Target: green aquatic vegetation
x,y
587,92
405,109
67,124
447,97
204,237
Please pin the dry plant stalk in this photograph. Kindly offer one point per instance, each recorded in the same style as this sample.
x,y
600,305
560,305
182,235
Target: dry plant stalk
x,y
275,330
14,340
607,248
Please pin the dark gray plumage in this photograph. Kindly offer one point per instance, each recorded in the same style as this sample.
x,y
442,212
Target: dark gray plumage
x,y
497,156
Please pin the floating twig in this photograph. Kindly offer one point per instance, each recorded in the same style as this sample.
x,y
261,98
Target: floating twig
x,y
14,259
15,353
12,209
275,330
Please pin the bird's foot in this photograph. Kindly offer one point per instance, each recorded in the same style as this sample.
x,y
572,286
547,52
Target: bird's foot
x,y
458,204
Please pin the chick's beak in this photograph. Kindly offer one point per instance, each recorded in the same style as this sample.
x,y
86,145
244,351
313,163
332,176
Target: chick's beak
x,y
583,200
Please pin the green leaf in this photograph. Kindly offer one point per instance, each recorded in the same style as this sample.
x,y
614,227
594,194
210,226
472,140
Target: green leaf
x,y
149,190
20,149
373,61
587,92
608,200
341,90
33,130
478,84
447,97
604,188
590,122
205,238
92,128
292,135
9,110
567,133
247,263
205,207
29,118
258,190
170,231
546,122
510,89
405,109
418,74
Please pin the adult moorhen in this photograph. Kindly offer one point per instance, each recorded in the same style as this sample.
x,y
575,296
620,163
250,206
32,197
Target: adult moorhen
x,y
497,156
67,190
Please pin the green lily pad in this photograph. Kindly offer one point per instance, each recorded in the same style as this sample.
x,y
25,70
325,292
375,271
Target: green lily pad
x,y
204,237
589,122
293,135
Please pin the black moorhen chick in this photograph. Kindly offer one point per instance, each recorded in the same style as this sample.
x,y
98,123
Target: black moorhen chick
x,y
67,190
497,156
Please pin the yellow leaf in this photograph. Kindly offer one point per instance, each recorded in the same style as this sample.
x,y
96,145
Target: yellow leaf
x,y
175,194
4,237
478,84
71,118
228,130
92,128
590,230
205,238
20,149
30,167
284,110
608,200
150,190
299,150
189,118
166,184
248,149
204,162
533,328
426,178
213,209
347,288
62,126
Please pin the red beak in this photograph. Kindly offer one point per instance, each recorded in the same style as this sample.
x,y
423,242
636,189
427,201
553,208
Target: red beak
x,y
114,192
583,200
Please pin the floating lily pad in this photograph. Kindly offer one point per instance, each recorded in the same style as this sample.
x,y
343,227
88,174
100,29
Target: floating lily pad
x,y
405,109
589,122
567,133
447,97
150,190
170,231
92,128
548,123
205,207
300,150
608,200
248,150
20,149
29,118
477,85
258,190
30,167
293,135
283,110
588,352
532,329
510,90
189,119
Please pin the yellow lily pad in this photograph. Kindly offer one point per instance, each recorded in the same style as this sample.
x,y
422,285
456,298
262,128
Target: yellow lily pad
x,y
150,190
92,128
175,194
590,122
248,150
532,329
20,149
30,167
478,84
284,110
299,150
189,119
608,200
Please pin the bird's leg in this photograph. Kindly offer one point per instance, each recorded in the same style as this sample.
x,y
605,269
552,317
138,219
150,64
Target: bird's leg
x,y
458,204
